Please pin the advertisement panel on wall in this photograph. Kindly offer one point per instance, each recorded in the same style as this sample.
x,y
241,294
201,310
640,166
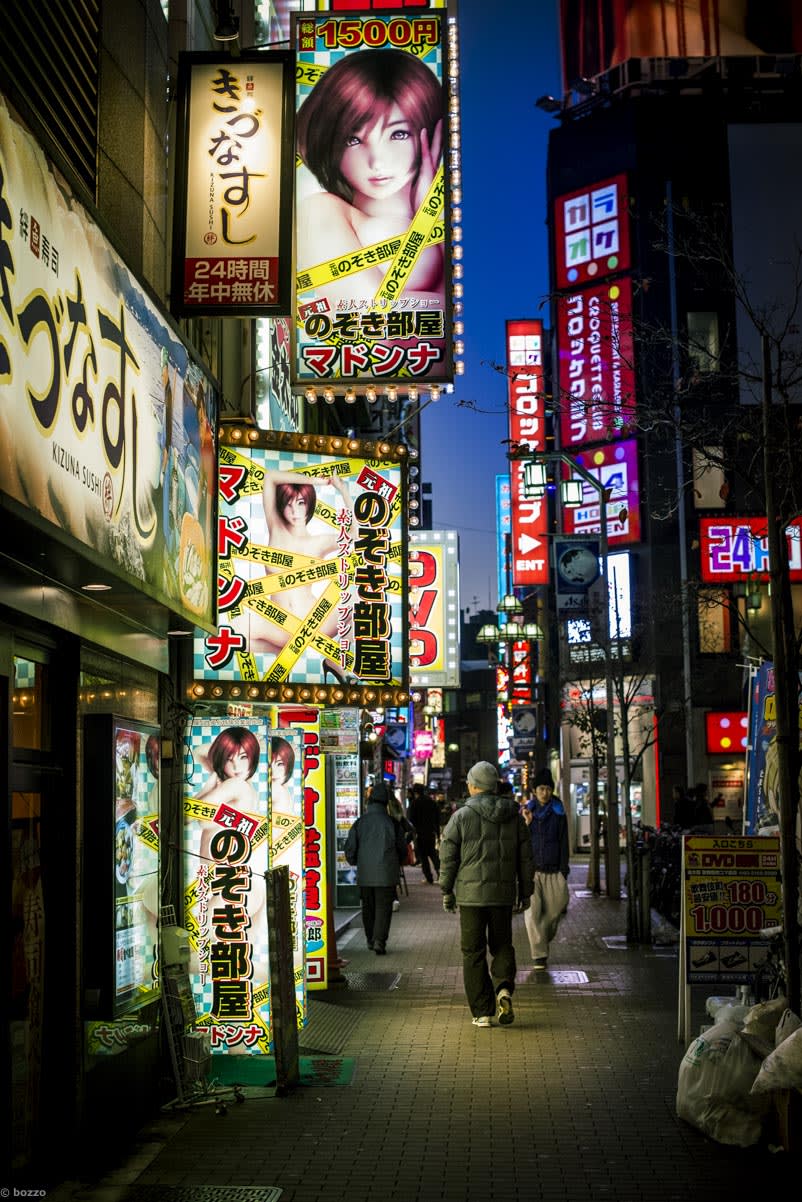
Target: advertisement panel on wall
x,y
434,634
277,407
530,559
596,363
232,244
591,232
108,426
371,216
311,569
227,837
598,36
733,549
616,467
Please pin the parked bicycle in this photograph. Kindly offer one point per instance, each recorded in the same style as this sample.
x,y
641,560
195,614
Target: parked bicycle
x,y
769,980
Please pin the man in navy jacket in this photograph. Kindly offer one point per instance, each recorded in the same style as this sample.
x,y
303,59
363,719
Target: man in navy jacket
x,y
548,834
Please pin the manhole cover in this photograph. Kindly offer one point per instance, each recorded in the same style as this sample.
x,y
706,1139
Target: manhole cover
x,y
567,976
553,976
365,981
202,1193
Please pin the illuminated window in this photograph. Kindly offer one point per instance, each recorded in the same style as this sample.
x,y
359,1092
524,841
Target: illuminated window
x,y
703,344
715,622
709,481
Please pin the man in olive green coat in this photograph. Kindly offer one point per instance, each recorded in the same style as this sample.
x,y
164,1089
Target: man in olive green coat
x,y
486,870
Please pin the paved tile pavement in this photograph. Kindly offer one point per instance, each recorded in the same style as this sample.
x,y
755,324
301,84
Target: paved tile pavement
x,y
574,1102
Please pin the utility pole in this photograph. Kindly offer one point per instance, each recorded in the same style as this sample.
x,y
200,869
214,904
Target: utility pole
x,y
786,678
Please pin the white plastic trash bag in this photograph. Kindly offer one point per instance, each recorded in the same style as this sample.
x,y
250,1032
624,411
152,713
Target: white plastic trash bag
x,y
783,1068
789,1023
713,1089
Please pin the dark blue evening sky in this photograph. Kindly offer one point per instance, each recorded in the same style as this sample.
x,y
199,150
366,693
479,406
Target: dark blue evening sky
x,y
509,57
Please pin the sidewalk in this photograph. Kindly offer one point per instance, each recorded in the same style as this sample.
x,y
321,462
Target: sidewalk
x,y
574,1102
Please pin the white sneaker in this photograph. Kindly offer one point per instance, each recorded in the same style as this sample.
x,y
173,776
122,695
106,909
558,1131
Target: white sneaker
x,y
505,1012
484,1020
396,904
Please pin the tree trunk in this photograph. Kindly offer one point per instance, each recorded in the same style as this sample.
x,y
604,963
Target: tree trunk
x,y
594,880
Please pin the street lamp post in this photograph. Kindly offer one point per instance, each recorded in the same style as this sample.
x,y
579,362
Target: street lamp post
x,y
534,485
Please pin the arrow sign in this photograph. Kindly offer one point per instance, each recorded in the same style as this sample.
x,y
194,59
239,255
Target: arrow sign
x,y
526,543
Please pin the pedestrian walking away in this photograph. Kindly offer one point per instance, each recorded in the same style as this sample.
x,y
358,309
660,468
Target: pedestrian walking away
x,y
548,835
424,814
485,871
376,846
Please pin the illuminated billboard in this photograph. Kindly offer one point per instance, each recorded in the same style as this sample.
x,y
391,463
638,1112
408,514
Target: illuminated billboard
x,y
371,214
591,232
232,245
121,866
530,558
596,374
503,529
227,836
726,732
733,549
311,571
616,467
107,428
434,617
598,36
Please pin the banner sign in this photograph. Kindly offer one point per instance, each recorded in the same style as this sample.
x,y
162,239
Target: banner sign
x,y
287,842
616,467
112,424
434,633
311,570
596,363
731,890
227,839
591,232
734,549
306,721
232,242
524,730
577,568
530,559
763,781
503,529
371,219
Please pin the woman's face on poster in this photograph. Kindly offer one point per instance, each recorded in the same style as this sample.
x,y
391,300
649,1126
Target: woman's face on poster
x,y
381,158
295,512
238,766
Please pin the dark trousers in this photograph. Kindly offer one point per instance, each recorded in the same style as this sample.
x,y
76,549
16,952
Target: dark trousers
x,y
427,855
377,912
486,929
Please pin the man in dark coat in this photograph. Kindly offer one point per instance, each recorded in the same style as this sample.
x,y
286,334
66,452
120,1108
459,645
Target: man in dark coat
x,y
424,814
485,870
377,847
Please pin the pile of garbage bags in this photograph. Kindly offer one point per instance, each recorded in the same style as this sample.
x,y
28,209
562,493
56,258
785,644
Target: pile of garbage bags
x,y
730,1075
